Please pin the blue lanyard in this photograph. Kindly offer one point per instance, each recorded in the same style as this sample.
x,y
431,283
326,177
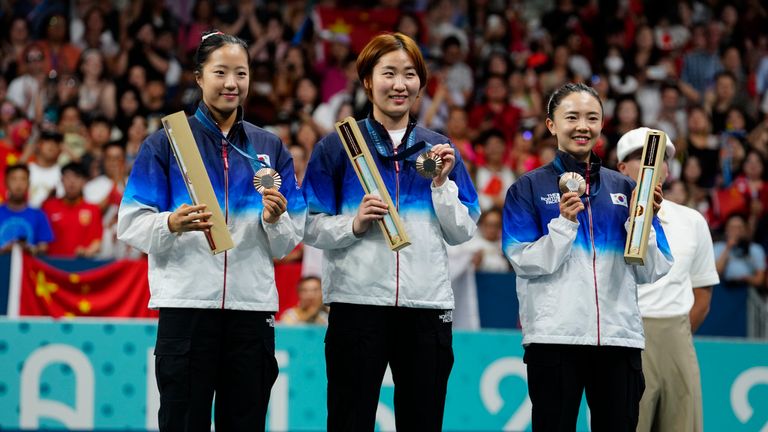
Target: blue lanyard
x,y
208,124
378,142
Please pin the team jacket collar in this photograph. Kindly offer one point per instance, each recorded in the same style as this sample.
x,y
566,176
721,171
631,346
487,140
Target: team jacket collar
x,y
564,163
388,152
236,127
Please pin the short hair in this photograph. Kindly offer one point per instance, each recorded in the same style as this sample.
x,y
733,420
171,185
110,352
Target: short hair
x,y
75,168
51,135
16,167
384,44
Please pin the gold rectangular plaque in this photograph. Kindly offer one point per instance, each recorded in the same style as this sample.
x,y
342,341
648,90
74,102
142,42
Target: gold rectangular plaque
x,y
196,179
641,211
370,179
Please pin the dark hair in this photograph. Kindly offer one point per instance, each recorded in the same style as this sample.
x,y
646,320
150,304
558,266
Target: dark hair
x,y
16,167
565,90
75,168
118,143
484,136
210,42
726,74
98,118
51,135
484,215
385,44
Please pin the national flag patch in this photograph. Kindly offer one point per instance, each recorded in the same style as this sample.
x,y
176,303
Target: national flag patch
x,y
619,199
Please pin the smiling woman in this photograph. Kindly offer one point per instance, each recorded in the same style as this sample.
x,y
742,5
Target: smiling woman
x,y
216,325
582,329
389,308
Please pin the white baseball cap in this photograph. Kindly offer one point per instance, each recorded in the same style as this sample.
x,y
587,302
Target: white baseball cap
x,y
635,139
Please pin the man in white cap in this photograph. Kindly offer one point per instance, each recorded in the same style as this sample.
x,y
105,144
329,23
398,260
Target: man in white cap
x,y
672,307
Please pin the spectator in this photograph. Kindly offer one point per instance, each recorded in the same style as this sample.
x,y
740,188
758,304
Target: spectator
x,y
488,237
702,62
704,145
96,34
310,309
13,48
331,68
27,91
741,266
300,160
457,131
99,134
75,134
202,19
106,192
19,223
457,75
135,135
60,54
493,177
44,172
525,97
524,157
495,112
672,118
97,92
129,106
77,227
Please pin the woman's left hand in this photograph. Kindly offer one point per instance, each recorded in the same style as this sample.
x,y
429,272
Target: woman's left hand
x,y
447,153
658,197
275,204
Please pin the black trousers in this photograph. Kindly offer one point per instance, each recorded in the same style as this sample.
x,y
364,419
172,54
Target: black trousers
x,y
361,341
558,375
200,352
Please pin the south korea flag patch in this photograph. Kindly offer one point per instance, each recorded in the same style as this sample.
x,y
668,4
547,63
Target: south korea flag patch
x,y
619,199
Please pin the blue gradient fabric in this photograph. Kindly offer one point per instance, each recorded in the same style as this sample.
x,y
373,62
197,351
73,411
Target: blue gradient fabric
x,y
363,270
182,270
572,282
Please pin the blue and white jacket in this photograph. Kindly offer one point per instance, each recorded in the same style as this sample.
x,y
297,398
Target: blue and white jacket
x,y
182,270
572,282
363,270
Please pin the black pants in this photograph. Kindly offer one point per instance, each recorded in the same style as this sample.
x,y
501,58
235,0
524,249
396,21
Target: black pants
x,y
558,375
361,341
200,352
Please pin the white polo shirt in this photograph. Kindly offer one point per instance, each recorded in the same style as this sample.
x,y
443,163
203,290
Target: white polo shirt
x,y
694,267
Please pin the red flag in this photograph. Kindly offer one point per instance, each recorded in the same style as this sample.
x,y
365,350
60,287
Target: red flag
x,y
117,289
359,24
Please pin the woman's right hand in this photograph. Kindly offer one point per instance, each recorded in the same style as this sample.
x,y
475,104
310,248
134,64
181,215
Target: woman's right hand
x,y
570,205
190,218
372,208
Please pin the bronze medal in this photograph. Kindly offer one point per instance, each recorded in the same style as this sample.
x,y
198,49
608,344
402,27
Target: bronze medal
x,y
429,164
266,178
572,182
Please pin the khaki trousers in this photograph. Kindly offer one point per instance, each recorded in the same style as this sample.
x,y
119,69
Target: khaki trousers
x,y
672,398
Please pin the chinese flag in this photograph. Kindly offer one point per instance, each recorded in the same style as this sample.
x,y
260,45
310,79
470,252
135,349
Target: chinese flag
x,y
117,289
359,24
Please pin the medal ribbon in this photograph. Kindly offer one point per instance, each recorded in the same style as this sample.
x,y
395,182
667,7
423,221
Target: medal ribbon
x,y
207,123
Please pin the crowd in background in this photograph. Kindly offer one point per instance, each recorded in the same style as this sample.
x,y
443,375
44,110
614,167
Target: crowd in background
x,y
83,82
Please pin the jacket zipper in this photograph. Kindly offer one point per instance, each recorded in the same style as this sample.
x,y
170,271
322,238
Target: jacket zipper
x,y
594,256
225,159
397,206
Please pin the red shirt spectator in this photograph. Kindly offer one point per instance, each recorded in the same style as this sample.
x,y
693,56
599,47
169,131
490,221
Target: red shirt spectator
x,y
76,224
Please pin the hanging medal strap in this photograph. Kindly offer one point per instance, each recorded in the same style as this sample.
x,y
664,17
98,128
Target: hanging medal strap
x,y
411,147
207,123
